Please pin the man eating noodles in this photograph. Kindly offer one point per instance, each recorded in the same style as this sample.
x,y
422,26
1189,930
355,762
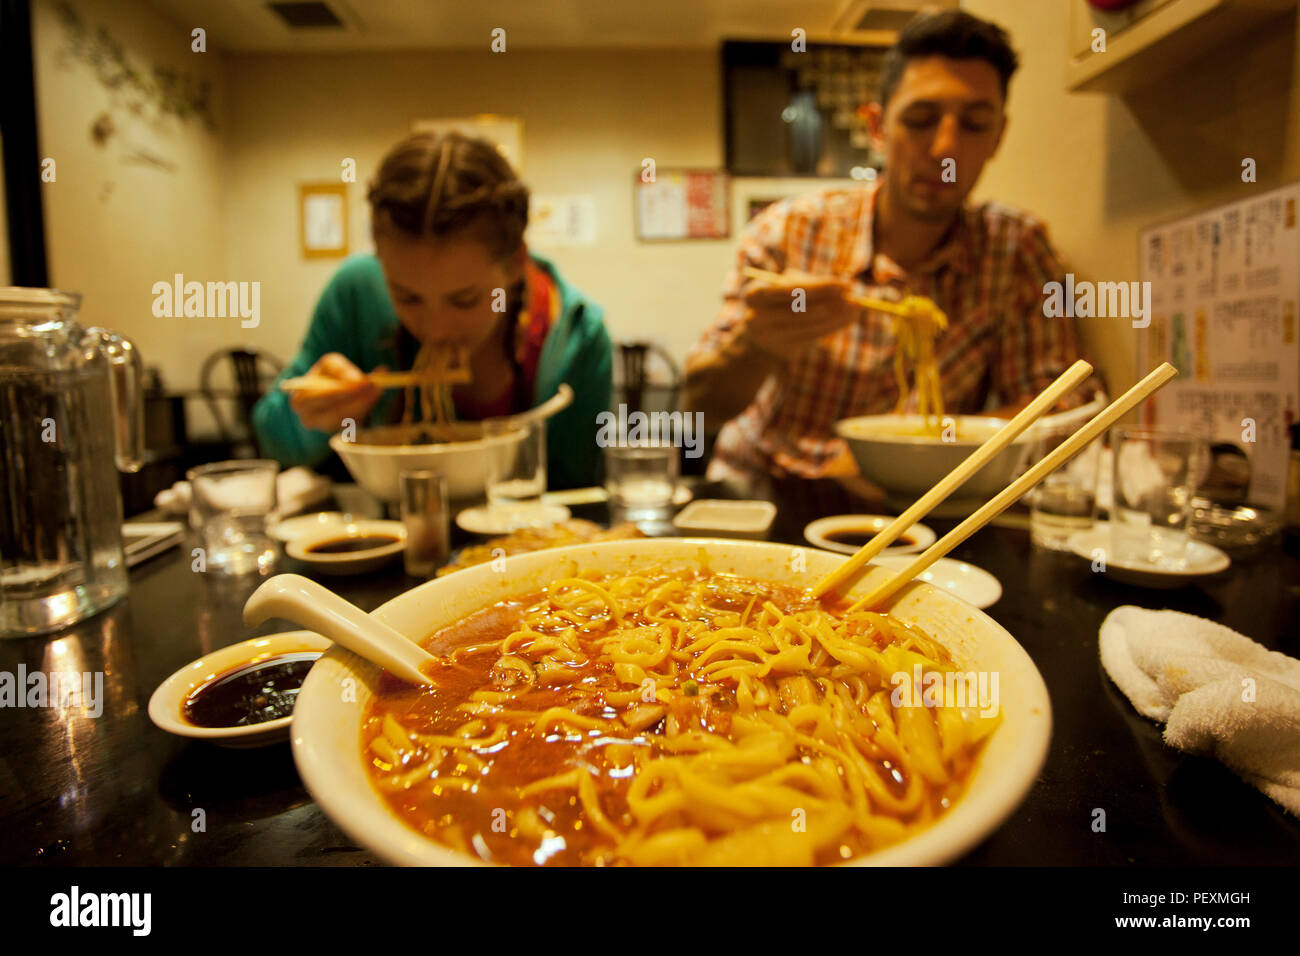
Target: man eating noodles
x,y
785,360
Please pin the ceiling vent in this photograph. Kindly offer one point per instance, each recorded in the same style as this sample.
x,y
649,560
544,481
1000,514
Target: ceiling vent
x,y
883,19
309,14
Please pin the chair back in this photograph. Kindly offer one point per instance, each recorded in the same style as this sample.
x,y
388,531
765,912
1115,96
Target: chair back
x,y
634,380
251,373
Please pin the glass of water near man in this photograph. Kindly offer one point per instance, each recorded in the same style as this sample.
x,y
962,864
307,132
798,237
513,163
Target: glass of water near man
x,y
1153,475
1065,502
1156,473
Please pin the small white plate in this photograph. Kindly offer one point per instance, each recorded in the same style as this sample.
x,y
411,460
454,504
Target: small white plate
x,y
292,528
972,584
596,494
493,521
349,562
1202,560
816,533
729,519
168,701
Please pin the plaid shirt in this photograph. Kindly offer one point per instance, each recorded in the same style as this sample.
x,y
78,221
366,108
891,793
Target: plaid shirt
x,y
988,277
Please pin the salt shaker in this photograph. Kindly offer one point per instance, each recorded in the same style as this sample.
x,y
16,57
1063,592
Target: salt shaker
x,y
427,520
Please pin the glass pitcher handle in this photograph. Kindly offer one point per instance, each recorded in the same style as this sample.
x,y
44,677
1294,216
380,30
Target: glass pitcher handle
x,y
126,380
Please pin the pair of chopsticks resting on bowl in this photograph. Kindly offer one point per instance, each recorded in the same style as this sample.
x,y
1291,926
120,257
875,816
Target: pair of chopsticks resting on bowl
x,y
843,577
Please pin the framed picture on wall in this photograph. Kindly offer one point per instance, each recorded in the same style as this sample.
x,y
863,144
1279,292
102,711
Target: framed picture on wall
x,y
323,220
682,204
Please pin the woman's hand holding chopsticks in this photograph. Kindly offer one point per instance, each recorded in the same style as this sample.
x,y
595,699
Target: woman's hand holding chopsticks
x,y
345,392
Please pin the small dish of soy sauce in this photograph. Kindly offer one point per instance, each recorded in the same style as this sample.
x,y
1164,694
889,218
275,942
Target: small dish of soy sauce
x,y
241,695
848,533
353,548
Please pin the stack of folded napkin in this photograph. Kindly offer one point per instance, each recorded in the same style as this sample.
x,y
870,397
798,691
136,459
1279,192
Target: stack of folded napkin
x,y
1221,694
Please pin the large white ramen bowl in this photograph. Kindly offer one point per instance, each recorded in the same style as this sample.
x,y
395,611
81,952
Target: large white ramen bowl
x,y
376,467
326,730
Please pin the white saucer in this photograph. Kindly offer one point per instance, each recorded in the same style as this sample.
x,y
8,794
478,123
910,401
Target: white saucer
x,y
1202,560
349,562
167,703
291,528
494,521
595,495
816,533
972,584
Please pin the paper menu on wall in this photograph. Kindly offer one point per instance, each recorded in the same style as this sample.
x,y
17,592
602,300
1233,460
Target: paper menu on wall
x,y
683,204
555,220
1224,291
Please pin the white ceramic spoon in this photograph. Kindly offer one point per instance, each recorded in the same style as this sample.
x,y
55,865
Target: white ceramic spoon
x,y
558,402
317,608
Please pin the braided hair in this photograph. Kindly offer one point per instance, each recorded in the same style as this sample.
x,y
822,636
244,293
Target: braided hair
x,y
432,185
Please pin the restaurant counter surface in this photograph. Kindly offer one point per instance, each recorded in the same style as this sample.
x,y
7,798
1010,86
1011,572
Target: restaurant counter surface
x,y
116,790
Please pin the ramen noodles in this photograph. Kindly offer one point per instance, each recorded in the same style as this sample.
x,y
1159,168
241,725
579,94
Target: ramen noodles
x,y
438,368
673,716
917,325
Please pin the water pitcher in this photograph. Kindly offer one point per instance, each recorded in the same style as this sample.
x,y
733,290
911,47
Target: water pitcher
x,y
70,416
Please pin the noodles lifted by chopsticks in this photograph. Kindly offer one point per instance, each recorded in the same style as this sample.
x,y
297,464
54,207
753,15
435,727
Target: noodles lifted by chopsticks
x,y
917,324
673,717
438,368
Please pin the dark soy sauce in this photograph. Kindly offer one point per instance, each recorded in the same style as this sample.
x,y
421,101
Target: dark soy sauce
x,y
362,542
251,693
856,538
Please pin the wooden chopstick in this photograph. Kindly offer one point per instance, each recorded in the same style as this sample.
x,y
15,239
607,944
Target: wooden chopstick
x,y
1013,492
324,383
879,305
848,572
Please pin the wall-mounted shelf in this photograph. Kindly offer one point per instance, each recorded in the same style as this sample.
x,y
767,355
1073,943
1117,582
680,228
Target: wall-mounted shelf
x,y
1154,37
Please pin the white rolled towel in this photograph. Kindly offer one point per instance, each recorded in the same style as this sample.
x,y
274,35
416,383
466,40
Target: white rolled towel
x,y
1220,694
296,489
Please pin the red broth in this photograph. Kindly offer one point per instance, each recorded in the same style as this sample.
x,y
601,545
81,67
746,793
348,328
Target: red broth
x,y
481,810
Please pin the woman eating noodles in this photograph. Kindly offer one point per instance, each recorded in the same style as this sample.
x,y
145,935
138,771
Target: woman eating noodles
x,y
450,272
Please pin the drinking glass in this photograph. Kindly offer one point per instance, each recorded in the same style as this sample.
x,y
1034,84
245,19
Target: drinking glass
x,y
1066,500
231,506
516,470
1156,473
641,479
427,521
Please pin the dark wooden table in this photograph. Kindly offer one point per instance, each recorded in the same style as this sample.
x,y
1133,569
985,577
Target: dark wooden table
x,y
77,790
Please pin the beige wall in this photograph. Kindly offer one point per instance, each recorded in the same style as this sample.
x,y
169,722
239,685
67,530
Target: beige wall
x,y
1095,167
115,226
1098,168
589,119
228,209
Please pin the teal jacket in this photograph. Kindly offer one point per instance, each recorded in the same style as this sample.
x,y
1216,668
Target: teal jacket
x,y
355,317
